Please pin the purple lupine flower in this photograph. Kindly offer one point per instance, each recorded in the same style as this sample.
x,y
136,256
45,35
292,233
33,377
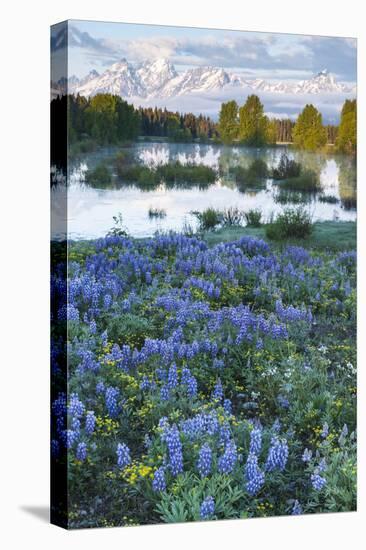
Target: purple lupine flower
x,y
123,455
204,462
207,508
159,483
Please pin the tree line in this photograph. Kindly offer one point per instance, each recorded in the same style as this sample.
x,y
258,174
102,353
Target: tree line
x,y
175,125
249,125
108,119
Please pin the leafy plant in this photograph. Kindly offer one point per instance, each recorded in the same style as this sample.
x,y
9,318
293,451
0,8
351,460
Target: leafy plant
x,y
99,176
292,223
208,219
253,218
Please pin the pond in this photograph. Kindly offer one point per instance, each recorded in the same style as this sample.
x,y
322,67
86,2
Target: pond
x,y
91,209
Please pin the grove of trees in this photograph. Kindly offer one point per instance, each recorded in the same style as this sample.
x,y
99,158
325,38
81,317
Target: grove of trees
x,y
309,132
347,132
108,119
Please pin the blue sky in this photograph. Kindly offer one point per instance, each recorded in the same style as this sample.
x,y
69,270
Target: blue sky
x,y
96,45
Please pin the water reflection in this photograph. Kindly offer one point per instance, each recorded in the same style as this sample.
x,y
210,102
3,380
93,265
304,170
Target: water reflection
x,y
90,210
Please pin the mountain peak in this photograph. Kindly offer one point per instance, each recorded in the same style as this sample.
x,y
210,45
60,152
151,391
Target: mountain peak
x,y
157,78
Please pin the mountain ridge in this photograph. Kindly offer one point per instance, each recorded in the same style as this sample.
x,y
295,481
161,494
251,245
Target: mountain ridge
x,y
159,79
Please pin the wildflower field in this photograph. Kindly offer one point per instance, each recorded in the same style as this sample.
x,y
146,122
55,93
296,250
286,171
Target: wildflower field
x,y
204,382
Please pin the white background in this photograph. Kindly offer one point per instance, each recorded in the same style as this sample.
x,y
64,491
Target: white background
x,y
24,270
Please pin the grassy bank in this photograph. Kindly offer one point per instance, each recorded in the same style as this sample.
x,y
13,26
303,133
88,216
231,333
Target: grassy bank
x,y
326,235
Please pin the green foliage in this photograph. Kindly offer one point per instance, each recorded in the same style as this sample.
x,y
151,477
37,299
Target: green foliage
x,y
178,173
161,123
309,132
253,124
253,218
228,126
100,176
208,219
189,491
292,223
129,329
118,230
346,141
102,119
172,174
287,168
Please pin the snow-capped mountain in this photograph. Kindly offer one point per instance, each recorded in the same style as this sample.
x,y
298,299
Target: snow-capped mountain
x,y
154,75
323,82
120,79
200,79
159,79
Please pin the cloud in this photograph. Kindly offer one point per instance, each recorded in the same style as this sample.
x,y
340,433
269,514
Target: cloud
x,y
338,55
251,53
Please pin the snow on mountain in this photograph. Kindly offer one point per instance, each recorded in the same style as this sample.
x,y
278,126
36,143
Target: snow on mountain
x,y
323,82
154,75
159,79
200,79
120,79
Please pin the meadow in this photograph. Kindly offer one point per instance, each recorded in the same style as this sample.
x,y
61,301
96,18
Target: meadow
x,y
209,377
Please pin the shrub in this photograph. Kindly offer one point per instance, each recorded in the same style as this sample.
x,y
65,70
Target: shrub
x,y
292,223
208,219
258,169
232,216
129,329
172,173
178,173
253,218
99,176
287,168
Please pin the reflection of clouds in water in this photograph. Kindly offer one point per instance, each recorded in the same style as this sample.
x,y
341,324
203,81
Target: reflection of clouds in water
x,y
91,210
152,156
162,153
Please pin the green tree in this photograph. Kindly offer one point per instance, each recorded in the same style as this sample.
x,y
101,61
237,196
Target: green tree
x,y
228,121
309,132
271,134
347,132
253,124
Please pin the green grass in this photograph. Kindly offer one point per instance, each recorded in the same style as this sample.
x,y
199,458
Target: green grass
x,y
326,235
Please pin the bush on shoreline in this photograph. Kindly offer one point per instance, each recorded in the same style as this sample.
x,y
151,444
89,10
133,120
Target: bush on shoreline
x,y
99,176
172,173
253,218
291,223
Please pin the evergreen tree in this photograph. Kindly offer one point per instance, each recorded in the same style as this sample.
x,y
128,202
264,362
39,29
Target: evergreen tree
x,y
347,133
309,132
228,121
253,124
271,134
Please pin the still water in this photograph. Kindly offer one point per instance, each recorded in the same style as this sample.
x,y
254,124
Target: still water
x,y
91,209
